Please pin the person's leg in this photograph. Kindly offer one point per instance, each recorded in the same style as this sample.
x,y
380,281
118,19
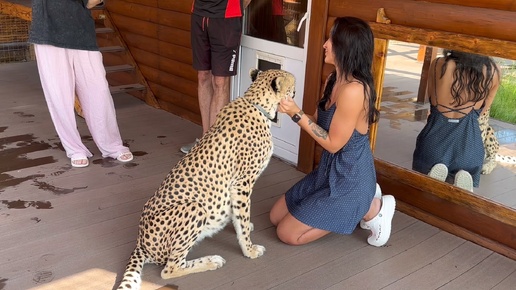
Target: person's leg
x,y
206,95
97,103
278,211
58,83
220,96
290,230
293,232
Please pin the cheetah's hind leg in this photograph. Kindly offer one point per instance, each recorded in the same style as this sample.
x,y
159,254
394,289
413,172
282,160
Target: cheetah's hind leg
x,y
186,233
179,266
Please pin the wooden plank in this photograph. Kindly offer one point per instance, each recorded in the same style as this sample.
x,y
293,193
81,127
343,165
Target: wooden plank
x,y
174,19
136,11
126,88
141,42
118,68
316,39
463,42
174,36
178,6
492,23
172,96
136,26
429,55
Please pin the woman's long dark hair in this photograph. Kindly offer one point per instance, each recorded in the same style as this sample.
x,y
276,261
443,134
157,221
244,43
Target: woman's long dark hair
x,y
469,75
353,47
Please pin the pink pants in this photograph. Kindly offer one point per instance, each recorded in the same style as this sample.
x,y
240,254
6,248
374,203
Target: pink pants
x,y
66,72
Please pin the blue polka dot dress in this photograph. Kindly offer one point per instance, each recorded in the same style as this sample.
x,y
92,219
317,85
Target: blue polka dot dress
x,y
457,143
338,193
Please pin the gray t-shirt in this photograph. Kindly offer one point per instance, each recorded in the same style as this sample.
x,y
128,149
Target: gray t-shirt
x,y
63,23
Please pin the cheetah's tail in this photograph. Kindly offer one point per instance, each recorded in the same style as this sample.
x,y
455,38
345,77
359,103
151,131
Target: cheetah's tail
x,y
133,271
506,159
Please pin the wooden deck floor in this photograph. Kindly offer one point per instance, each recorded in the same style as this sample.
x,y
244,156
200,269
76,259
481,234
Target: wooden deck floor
x,y
69,228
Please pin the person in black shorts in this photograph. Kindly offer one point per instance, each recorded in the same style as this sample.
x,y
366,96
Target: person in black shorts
x,y
215,33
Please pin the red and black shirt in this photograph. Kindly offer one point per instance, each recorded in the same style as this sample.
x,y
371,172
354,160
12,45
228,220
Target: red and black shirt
x,y
218,8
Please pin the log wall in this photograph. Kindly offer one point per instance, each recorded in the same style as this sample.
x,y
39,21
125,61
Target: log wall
x,y
158,36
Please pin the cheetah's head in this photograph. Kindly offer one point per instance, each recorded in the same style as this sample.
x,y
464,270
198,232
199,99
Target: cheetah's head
x,y
268,88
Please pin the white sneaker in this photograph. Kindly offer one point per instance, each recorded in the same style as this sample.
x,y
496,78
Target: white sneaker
x,y
380,225
378,194
463,180
439,172
185,149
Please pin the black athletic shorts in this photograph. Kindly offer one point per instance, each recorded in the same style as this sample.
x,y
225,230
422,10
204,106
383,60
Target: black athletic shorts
x,y
215,44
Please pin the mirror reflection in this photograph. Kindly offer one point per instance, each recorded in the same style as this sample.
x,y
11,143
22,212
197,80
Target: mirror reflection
x,y
405,110
277,20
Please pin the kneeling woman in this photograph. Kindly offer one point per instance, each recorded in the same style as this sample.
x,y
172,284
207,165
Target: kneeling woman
x,y
340,192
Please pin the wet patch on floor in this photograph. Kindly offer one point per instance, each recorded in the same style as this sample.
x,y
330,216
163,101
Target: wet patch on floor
x,y
139,153
14,150
23,115
56,190
7,180
23,204
3,283
110,162
130,165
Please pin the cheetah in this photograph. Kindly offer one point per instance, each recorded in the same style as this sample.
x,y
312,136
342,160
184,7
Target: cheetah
x,y
211,185
491,146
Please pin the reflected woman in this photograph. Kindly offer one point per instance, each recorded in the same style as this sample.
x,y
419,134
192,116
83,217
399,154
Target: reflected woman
x,y
461,87
341,191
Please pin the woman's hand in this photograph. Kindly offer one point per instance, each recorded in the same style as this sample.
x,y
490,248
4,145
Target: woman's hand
x,y
93,3
288,106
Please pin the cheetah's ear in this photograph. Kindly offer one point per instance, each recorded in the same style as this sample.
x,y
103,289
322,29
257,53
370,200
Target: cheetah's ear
x,y
253,73
276,83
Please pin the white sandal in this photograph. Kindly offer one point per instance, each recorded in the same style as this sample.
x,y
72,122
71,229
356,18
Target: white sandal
x,y
125,157
79,162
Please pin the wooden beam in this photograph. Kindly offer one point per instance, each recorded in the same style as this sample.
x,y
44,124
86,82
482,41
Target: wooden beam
x,y
457,41
428,56
475,218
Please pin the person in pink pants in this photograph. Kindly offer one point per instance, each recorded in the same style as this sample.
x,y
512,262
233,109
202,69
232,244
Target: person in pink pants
x,y
69,64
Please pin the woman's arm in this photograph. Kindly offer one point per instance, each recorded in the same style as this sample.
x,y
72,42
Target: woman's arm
x,y
492,92
350,106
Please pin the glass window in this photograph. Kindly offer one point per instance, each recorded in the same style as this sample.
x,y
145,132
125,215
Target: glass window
x,y
276,20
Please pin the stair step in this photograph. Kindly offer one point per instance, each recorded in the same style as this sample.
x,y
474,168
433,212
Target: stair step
x,y
119,68
111,49
103,30
126,88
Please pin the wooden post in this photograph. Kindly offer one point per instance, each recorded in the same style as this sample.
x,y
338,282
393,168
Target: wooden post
x,y
430,54
379,60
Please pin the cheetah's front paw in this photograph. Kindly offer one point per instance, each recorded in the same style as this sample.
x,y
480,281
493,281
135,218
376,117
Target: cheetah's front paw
x,y
255,252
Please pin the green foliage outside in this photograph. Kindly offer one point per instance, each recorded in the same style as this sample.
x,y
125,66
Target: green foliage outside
x,y
504,104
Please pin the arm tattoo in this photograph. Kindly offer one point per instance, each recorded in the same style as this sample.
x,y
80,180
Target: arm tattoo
x,y
318,131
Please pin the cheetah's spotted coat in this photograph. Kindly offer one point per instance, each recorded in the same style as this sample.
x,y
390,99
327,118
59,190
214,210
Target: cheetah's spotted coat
x,y
211,185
